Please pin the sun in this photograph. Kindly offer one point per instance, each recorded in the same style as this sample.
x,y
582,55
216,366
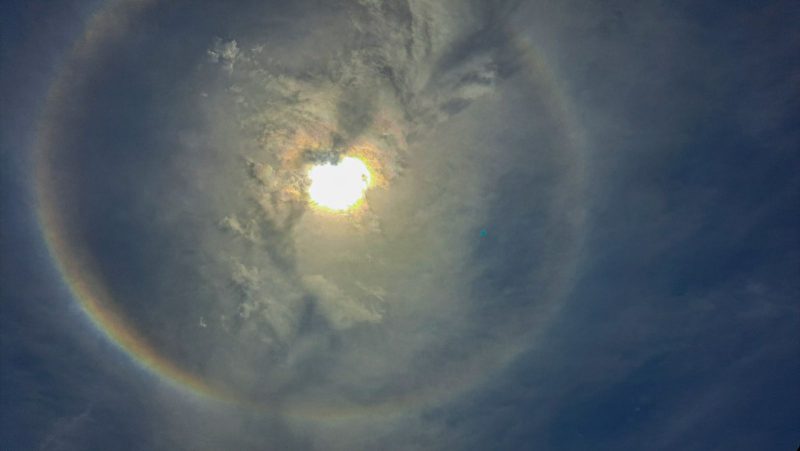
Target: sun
x,y
338,186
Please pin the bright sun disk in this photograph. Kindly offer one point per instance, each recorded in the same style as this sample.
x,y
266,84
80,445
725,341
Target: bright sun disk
x,y
338,186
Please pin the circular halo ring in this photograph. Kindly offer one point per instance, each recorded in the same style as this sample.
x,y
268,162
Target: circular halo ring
x,y
75,266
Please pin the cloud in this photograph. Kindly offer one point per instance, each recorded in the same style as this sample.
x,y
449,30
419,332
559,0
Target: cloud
x,y
370,99
342,311
58,438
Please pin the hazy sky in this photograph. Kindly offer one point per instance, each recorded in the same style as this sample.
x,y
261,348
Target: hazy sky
x,y
582,228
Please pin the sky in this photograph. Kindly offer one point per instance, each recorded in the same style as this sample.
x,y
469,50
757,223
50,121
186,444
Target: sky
x,y
581,231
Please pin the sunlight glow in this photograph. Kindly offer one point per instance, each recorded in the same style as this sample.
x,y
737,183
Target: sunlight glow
x,y
338,186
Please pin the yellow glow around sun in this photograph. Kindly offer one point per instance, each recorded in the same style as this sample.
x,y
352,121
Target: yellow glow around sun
x,y
338,186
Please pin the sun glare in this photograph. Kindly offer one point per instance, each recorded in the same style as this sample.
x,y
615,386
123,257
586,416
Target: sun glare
x,y
338,186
